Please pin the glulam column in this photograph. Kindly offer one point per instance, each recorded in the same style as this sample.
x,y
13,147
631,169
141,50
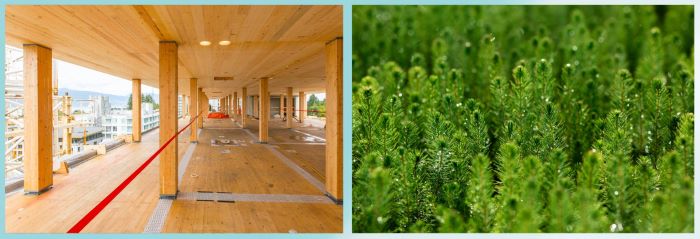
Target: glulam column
x,y
235,103
290,107
302,106
202,102
264,111
38,123
136,110
194,92
334,119
256,106
167,85
244,107
281,105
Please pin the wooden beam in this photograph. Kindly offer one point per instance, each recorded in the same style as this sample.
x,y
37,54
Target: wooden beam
x,y
264,111
244,107
193,107
167,85
302,106
38,123
334,118
136,110
290,107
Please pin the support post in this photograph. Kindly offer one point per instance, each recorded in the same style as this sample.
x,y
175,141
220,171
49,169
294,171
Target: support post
x,y
38,123
136,110
264,111
167,84
201,101
256,106
334,119
193,108
235,103
67,131
281,105
302,106
244,107
290,109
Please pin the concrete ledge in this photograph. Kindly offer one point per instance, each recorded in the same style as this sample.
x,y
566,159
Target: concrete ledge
x,y
38,192
168,196
335,200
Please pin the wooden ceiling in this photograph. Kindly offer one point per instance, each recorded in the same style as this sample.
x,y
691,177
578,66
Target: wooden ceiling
x,y
285,43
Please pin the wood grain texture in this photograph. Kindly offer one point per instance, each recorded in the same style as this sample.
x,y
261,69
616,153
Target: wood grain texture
x,y
38,123
194,106
302,106
76,193
136,109
168,117
244,107
290,107
248,217
284,42
334,118
265,112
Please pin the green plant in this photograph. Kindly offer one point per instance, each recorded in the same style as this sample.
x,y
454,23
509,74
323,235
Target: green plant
x,y
522,119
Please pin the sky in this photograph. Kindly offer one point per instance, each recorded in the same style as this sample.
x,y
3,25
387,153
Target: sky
x,y
80,78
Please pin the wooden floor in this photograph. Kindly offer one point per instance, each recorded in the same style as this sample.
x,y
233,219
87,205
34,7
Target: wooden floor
x,y
75,194
247,168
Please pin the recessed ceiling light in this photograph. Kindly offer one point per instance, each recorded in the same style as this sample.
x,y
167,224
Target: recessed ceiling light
x,y
204,43
224,43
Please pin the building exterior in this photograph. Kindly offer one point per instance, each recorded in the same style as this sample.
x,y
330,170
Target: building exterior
x,y
101,107
119,121
90,135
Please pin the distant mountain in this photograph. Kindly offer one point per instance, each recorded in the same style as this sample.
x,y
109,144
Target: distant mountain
x,y
114,100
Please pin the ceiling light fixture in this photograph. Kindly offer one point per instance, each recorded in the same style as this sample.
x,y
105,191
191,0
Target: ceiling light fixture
x,y
224,43
204,43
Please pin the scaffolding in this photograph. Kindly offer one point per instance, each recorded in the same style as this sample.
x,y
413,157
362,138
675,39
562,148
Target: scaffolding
x,y
64,120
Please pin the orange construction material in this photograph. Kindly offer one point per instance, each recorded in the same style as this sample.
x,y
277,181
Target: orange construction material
x,y
217,115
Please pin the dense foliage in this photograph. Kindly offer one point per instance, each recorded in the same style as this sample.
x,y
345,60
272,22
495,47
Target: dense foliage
x,y
522,119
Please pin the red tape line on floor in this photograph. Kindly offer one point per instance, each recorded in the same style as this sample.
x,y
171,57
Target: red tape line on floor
x,y
100,206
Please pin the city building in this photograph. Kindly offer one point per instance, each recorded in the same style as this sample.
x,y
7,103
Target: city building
x,y
119,121
84,135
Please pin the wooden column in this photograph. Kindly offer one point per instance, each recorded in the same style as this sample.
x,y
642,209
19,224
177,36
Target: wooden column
x,y
290,107
201,102
38,123
193,108
235,103
302,106
334,119
186,100
244,107
226,100
281,106
167,85
136,110
256,106
264,111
